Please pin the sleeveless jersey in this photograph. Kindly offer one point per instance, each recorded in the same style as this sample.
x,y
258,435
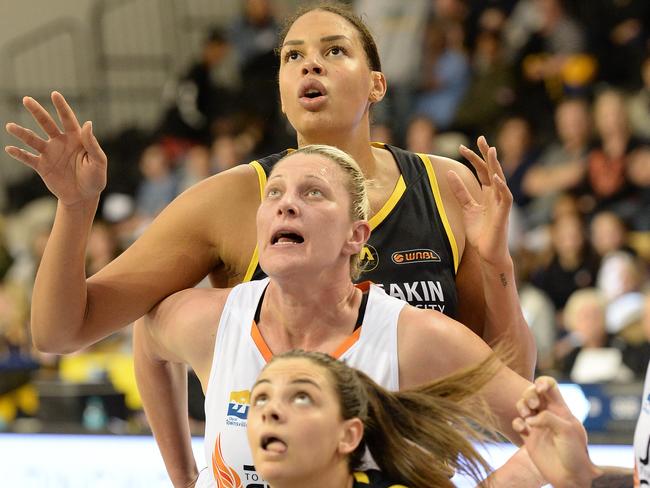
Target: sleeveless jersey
x,y
412,252
642,438
240,355
372,479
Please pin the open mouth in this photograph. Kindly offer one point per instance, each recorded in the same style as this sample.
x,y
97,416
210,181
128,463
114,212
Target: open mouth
x,y
312,89
313,93
273,444
286,237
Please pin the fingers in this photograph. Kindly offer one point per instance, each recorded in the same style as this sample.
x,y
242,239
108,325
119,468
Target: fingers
x,y
460,191
27,136
66,115
547,388
90,143
519,426
548,420
490,156
531,401
503,194
42,117
478,163
23,156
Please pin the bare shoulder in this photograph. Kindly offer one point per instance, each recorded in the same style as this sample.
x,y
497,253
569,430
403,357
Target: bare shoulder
x,y
192,308
442,165
229,190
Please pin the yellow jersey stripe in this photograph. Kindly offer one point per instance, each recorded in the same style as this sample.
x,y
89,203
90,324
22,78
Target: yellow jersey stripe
x,y
441,208
388,207
261,178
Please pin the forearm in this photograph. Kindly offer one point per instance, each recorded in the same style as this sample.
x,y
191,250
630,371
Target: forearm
x,y
60,291
614,477
504,320
518,471
163,388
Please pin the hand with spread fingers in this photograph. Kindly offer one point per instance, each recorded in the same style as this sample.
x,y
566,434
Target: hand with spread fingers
x,y
70,161
555,440
486,222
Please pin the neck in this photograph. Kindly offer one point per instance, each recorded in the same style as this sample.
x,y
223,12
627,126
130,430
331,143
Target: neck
x,y
338,477
355,142
305,314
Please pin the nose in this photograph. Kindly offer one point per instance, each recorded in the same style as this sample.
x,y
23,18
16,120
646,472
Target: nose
x,y
287,206
272,412
312,65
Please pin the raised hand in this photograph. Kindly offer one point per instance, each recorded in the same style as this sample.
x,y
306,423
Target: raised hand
x,y
70,162
555,440
486,223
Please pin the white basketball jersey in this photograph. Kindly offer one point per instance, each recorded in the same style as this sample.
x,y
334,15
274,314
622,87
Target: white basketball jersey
x,y
241,353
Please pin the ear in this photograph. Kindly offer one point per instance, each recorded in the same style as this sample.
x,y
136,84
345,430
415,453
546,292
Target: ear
x,y
359,236
378,87
351,435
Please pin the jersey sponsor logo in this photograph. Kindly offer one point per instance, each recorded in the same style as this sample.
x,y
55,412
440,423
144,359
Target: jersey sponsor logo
x,y
415,256
420,294
224,475
369,258
238,408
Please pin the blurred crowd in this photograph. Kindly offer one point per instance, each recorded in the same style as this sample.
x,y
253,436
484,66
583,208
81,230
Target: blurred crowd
x,y
562,88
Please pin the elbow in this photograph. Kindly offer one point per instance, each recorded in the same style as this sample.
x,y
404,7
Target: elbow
x,y
53,343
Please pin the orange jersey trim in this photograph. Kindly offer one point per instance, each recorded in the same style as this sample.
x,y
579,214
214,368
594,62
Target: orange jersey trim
x,y
347,343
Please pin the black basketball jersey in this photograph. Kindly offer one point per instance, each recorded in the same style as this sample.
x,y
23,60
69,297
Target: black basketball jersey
x,y
412,252
372,478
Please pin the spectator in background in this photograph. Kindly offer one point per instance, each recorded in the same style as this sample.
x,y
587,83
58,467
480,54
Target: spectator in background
x,y
491,89
639,104
517,154
607,185
620,280
584,323
254,35
619,34
196,101
445,75
608,233
638,173
555,41
561,167
570,262
398,28
159,185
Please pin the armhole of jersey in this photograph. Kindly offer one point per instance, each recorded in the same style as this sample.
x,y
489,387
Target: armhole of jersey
x,y
441,208
261,178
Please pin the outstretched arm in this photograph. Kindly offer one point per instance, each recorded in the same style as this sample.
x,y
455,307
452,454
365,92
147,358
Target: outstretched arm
x,y
485,215
184,243
432,345
179,331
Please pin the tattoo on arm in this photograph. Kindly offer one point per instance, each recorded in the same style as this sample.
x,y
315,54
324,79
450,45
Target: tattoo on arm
x,y
613,480
504,281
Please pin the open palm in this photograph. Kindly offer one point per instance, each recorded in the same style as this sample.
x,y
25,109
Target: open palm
x,y
70,162
486,222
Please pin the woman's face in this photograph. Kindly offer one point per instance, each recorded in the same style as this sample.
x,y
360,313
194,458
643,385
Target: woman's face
x,y
303,223
326,85
295,429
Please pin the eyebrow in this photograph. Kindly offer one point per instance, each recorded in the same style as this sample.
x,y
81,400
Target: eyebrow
x,y
296,42
295,381
316,177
